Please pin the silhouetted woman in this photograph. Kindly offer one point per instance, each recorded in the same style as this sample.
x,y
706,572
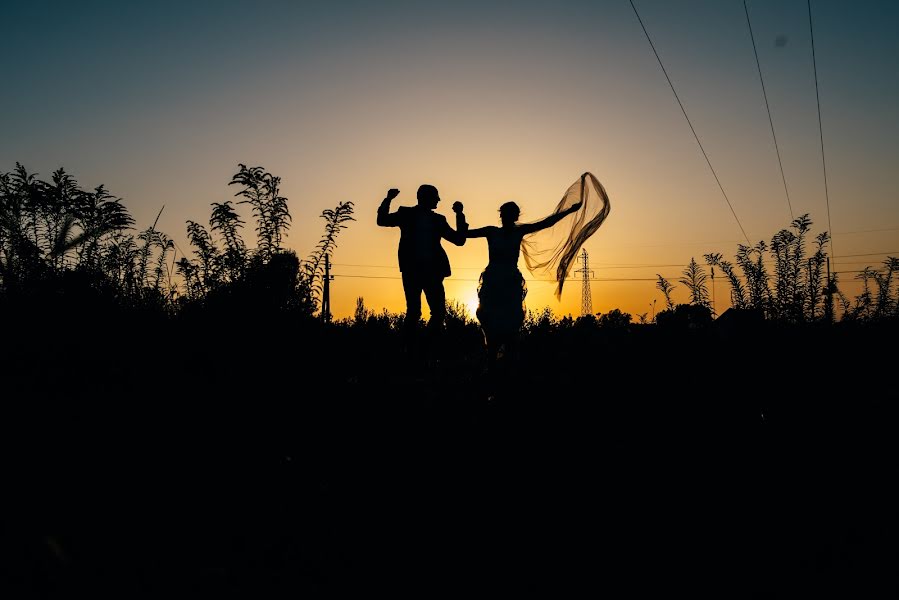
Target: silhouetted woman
x,y
546,249
502,288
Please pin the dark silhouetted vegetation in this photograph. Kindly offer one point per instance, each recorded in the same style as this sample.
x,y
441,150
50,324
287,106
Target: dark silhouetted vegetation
x,y
798,291
195,427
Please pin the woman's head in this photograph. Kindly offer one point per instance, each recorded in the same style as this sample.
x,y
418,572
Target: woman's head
x,y
509,212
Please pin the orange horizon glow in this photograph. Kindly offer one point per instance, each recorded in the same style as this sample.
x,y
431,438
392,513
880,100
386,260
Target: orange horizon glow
x,y
489,105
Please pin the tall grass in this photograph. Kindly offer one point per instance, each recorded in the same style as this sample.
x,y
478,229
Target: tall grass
x,y
798,290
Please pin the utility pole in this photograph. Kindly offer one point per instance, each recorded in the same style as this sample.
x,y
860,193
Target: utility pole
x,y
326,291
812,307
586,299
828,300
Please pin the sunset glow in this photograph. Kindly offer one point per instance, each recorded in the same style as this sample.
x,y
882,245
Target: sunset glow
x,y
217,377
487,104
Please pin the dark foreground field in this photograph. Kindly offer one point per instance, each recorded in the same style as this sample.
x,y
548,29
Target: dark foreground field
x,y
166,459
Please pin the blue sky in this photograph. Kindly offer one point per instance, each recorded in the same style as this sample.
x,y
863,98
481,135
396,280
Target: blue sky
x,y
490,101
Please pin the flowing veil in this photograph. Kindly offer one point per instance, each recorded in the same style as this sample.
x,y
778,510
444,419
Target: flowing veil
x,y
552,251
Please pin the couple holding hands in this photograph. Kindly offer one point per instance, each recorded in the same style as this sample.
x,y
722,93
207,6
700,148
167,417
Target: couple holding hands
x,y
501,288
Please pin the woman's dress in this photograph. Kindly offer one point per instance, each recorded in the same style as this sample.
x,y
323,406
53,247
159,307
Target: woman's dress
x,y
502,288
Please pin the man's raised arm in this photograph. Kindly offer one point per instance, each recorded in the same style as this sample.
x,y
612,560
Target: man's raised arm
x,y
385,217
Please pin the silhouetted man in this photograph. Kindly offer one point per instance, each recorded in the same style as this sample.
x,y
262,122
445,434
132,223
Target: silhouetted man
x,y
423,261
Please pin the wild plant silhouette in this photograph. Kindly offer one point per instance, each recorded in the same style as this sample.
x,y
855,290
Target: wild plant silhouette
x,y
314,267
798,290
196,422
225,269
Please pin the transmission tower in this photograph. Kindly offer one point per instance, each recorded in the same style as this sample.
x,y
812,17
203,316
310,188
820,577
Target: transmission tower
x,y
586,300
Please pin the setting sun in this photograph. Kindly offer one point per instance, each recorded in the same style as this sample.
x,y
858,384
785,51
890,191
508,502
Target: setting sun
x,y
471,304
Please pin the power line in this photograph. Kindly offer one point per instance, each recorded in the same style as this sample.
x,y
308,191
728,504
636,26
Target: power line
x,y
768,108
395,266
631,266
387,277
662,245
820,128
636,266
615,265
895,253
599,279
866,231
609,266
721,187
455,268
715,242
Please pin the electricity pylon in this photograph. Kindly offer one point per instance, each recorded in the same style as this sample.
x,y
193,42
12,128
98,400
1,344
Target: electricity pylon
x,y
586,299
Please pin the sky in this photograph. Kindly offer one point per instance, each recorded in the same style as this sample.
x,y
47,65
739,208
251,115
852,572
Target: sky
x,y
490,102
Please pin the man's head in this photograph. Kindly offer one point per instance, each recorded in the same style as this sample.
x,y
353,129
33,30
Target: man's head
x,y
428,196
